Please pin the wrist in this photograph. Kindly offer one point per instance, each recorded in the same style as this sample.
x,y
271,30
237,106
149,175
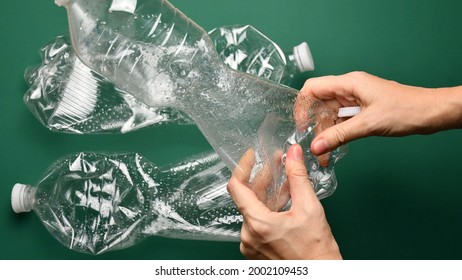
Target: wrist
x,y
428,110
448,108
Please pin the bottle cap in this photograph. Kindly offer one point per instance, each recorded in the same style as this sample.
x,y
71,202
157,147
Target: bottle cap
x,y
18,197
128,6
345,112
303,57
62,2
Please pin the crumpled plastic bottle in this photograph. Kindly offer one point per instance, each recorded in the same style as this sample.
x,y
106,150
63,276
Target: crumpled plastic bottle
x,y
155,52
166,60
67,96
94,203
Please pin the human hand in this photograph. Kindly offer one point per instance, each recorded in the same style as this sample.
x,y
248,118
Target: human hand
x,y
387,108
302,232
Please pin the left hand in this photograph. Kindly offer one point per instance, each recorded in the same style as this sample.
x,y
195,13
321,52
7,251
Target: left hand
x,y
302,232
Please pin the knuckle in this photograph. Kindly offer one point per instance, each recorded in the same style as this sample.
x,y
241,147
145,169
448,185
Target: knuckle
x,y
245,238
357,75
308,82
263,228
357,78
241,208
244,249
297,171
231,183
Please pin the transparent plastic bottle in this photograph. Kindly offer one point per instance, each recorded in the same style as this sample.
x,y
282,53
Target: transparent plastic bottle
x,y
67,96
245,48
152,50
94,203
166,60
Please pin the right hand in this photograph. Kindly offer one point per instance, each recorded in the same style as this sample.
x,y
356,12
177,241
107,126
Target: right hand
x,y
387,108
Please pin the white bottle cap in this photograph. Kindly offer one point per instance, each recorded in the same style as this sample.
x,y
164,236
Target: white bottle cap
x,y
348,111
18,199
128,6
303,57
62,2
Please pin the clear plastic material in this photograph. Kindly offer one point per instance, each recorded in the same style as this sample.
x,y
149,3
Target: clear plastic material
x,y
94,203
320,169
244,48
67,96
166,60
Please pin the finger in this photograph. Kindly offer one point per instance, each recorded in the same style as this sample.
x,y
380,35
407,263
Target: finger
x,y
325,118
245,199
283,196
244,168
334,91
264,179
301,189
341,87
302,112
247,242
339,134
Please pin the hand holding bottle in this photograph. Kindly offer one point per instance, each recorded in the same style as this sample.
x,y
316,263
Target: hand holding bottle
x,y
388,108
299,233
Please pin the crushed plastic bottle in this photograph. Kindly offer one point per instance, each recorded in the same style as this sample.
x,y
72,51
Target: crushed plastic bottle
x,y
94,203
166,60
245,48
67,96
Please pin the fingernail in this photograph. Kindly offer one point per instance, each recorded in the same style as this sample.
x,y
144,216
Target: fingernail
x,y
320,147
295,153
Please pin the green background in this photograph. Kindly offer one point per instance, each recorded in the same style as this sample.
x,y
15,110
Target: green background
x,y
398,198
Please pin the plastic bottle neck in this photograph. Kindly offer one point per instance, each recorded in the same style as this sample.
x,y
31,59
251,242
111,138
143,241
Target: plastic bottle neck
x,y
291,63
300,58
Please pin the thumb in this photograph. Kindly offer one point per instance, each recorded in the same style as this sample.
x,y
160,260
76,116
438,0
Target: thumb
x,y
301,189
337,135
